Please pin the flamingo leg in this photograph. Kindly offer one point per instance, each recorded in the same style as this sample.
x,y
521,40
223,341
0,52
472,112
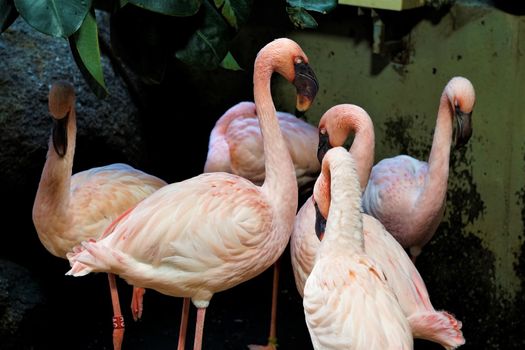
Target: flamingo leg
x,y
272,339
199,328
184,323
118,319
136,302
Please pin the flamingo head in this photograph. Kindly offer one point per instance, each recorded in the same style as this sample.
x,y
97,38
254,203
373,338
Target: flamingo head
x,y
61,105
289,60
462,97
336,124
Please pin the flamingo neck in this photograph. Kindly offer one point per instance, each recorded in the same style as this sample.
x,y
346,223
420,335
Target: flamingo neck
x,y
435,187
280,181
362,149
344,226
53,192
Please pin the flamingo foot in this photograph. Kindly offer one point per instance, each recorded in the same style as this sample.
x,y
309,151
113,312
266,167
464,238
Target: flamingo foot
x,y
272,345
136,303
118,332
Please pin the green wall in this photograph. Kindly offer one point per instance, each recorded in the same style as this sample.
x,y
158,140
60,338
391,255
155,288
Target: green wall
x,y
472,266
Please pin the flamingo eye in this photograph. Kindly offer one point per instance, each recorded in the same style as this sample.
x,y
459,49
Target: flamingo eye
x,y
298,60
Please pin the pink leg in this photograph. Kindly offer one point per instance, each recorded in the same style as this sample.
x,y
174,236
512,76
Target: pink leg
x,y
136,302
199,328
184,324
118,319
272,339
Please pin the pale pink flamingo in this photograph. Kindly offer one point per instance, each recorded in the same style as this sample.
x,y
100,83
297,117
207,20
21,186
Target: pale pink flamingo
x,y
348,303
209,233
236,147
334,127
408,195
69,209
402,276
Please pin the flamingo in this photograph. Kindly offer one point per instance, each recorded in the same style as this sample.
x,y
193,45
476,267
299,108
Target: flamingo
x,y
69,209
236,147
402,276
209,233
408,195
348,303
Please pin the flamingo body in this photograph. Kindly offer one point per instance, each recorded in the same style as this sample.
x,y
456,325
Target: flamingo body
x,y
347,300
235,145
407,195
97,197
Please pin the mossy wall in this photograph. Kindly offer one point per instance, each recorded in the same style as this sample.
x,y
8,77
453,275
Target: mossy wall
x,y
473,266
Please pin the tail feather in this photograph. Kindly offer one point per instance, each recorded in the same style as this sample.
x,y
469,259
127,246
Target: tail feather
x,y
437,326
94,257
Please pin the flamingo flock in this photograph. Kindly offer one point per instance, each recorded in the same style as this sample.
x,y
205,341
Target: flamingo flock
x,y
353,243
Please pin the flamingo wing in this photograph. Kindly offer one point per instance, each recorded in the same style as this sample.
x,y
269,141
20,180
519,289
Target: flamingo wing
x,y
348,305
99,195
392,191
402,275
304,244
199,233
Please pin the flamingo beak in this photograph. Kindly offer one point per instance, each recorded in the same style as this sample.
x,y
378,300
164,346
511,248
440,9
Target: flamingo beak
x,y
324,146
60,135
464,127
306,85
320,223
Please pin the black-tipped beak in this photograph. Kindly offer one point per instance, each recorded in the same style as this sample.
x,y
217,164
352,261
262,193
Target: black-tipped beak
x,y
320,223
306,85
60,135
464,127
324,146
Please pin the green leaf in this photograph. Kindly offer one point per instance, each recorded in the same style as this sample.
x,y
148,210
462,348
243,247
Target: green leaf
x,y
86,52
322,6
59,18
236,12
8,14
301,18
230,63
180,8
208,46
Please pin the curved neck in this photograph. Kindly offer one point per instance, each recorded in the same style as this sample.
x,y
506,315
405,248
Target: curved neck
x,y
362,148
54,187
344,226
435,187
280,181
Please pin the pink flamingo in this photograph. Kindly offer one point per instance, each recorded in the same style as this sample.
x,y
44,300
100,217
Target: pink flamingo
x,y
236,147
348,303
71,209
401,274
408,195
209,233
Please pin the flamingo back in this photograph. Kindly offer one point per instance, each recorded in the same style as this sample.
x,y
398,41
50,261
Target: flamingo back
x,y
392,191
349,305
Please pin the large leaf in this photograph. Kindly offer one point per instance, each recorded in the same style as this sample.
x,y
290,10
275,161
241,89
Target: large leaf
x,y
322,6
85,49
8,14
59,18
236,12
301,18
208,46
170,7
